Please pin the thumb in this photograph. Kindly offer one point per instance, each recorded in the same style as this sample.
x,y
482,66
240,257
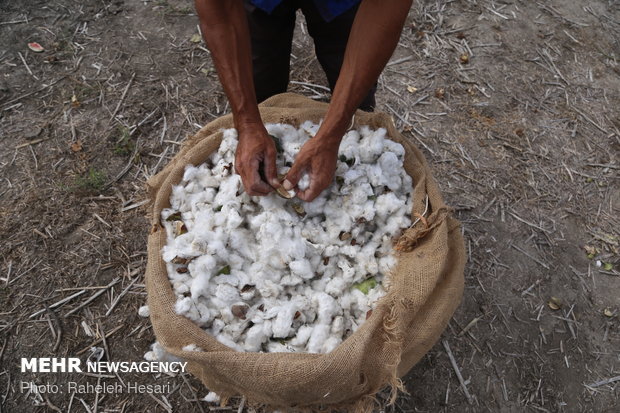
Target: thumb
x,y
269,168
294,175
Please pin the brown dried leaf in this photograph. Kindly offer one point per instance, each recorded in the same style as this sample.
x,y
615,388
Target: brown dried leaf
x,y
344,236
179,260
239,310
299,210
75,103
554,303
76,146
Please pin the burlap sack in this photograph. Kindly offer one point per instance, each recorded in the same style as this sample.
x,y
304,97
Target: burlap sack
x,y
424,290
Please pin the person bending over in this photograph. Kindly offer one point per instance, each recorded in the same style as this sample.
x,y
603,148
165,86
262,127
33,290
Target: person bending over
x,y
250,42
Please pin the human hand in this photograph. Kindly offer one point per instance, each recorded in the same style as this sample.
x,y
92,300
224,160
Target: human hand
x,y
255,160
318,159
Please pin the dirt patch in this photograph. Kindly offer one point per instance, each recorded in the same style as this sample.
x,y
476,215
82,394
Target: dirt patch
x,y
515,105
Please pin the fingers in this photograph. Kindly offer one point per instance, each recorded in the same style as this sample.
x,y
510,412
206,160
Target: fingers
x,y
252,181
270,170
294,174
312,192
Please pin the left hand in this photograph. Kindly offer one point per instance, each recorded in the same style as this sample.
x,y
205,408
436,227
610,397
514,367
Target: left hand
x,y
318,159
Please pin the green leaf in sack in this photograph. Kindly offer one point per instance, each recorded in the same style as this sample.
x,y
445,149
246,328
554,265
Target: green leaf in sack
x,y
224,270
366,285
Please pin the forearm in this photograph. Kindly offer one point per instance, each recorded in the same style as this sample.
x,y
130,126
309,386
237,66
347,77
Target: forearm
x,y
225,30
372,41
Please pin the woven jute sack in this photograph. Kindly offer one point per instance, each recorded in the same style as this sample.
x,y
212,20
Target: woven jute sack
x,y
424,290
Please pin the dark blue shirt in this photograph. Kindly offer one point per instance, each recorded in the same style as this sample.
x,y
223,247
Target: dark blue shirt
x,y
329,9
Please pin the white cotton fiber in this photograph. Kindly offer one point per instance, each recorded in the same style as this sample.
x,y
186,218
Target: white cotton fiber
x,y
273,274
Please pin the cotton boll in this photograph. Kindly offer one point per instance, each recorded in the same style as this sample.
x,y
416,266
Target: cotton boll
x,y
186,247
371,145
350,251
302,268
394,183
387,264
229,279
177,197
227,294
320,334
331,343
240,241
368,211
395,223
200,285
304,182
254,338
284,320
293,249
302,336
347,269
327,307
315,207
290,280
277,347
395,147
204,264
389,163
407,183
180,287
190,173
228,190
375,175
388,203
168,253
211,397
191,347
268,288
205,314
216,326
158,353
210,181
243,277
336,286
228,341
183,306
375,294
337,327
349,146
144,311
310,128
233,219
229,142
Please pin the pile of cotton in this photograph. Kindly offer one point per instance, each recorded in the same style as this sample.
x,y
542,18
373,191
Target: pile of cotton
x,y
275,274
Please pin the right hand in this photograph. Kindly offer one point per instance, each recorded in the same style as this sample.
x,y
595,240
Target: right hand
x,y
255,160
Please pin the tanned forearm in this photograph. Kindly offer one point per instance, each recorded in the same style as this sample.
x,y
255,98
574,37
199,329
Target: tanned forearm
x,y
225,30
373,38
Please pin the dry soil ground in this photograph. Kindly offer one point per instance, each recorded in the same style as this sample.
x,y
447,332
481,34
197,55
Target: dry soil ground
x,y
515,104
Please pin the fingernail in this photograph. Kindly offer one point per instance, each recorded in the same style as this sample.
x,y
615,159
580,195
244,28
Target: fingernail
x,y
287,185
275,183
